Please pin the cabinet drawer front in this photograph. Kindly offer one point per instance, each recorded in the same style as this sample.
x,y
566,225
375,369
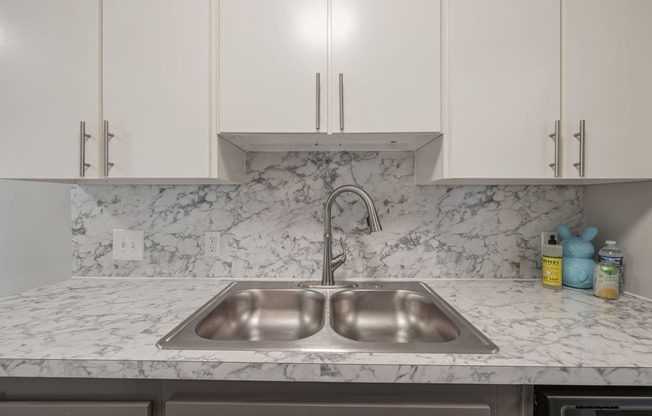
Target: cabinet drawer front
x,y
207,408
61,408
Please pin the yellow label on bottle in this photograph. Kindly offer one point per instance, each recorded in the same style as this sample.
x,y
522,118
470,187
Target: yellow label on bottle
x,y
551,271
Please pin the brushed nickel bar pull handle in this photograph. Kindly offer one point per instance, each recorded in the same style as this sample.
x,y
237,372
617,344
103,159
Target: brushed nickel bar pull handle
x,y
581,136
341,102
318,103
555,137
107,137
83,138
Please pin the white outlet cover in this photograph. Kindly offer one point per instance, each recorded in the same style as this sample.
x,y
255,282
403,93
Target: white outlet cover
x,y
212,244
128,244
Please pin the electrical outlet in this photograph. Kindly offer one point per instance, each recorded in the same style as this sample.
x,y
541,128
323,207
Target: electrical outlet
x,y
212,244
545,236
128,244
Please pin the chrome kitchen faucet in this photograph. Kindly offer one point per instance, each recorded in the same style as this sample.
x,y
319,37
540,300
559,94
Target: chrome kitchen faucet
x,y
331,263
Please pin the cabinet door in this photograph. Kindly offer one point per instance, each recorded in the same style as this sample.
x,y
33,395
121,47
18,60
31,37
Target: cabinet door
x,y
504,87
72,408
208,408
49,83
388,53
157,87
270,55
607,64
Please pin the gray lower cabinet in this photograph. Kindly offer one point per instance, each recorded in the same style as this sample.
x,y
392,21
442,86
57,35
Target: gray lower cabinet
x,y
79,397
72,408
123,397
196,398
208,408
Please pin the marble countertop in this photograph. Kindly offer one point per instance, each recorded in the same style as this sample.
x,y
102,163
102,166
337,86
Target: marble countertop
x,y
108,328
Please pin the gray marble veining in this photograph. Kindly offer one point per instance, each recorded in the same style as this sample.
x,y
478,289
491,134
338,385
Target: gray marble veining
x,y
108,328
272,226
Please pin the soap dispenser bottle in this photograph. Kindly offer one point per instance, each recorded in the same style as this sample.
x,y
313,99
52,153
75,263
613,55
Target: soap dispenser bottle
x,y
551,264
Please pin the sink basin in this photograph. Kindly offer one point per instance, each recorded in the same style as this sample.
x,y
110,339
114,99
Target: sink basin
x,y
405,317
265,315
393,316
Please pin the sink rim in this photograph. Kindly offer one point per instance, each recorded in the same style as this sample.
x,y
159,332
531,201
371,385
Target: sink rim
x,y
470,341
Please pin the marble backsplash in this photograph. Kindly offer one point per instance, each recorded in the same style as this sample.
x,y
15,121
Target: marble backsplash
x,y
272,227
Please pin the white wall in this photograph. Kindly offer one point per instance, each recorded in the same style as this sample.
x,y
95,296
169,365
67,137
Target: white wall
x,y
623,212
35,236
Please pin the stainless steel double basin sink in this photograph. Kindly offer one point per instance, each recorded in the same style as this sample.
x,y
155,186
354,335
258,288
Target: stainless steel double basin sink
x,y
370,317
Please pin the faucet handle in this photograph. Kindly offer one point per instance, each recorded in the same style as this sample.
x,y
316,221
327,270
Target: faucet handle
x,y
339,260
343,245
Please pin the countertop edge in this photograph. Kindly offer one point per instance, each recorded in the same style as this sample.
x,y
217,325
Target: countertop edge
x,y
322,372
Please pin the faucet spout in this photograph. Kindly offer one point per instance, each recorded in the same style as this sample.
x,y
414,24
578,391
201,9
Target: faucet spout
x,y
331,263
374,222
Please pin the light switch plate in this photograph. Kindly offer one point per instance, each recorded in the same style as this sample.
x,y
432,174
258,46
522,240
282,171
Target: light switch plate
x,y
128,244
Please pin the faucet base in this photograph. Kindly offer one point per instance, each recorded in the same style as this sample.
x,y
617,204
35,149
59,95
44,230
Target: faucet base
x,y
318,285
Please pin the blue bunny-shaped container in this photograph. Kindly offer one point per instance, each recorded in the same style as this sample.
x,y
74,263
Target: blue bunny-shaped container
x,y
577,261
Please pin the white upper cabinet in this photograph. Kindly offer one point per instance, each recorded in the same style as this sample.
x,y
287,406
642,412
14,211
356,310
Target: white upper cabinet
x,y
607,67
504,87
512,68
169,75
157,87
280,66
387,55
49,84
501,92
273,65
145,66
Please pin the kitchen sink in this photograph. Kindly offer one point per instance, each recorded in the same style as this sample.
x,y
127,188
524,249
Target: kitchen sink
x,y
390,316
264,315
286,316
